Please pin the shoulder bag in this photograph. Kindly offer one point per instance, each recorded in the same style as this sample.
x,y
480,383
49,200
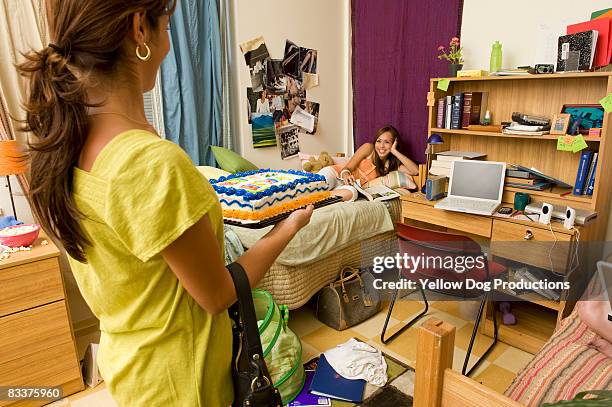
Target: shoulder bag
x,y
252,383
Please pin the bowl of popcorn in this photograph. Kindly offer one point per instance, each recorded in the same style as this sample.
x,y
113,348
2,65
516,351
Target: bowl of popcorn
x,y
19,235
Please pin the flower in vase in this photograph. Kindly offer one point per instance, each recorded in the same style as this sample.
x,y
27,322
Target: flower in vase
x,y
454,52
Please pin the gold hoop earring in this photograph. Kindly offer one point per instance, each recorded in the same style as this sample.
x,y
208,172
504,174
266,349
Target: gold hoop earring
x,y
145,57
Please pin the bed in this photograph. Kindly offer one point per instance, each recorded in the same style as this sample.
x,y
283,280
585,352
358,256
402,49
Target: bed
x,y
564,366
343,234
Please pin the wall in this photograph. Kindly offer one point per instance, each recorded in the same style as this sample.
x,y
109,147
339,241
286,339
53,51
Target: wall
x,y
318,24
516,25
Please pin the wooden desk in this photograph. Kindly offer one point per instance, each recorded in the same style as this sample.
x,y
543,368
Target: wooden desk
x,y
537,316
37,345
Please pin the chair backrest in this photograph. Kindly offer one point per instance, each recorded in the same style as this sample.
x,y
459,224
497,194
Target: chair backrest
x,y
447,256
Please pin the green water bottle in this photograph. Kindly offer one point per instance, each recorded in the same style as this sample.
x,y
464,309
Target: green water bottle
x,y
496,57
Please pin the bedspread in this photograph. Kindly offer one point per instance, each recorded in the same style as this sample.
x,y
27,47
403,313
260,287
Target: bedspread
x,y
331,228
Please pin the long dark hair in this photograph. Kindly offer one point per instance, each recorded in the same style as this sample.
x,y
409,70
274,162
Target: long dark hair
x,y
394,163
88,37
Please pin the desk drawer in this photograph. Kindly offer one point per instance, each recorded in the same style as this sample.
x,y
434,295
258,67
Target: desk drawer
x,y
508,241
30,285
477,225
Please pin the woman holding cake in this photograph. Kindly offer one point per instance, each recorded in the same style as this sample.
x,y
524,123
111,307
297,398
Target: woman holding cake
x,y
371,160
142,227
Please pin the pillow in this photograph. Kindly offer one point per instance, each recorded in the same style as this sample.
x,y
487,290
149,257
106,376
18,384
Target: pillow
x,y
230,161
305,156
212,172
393,180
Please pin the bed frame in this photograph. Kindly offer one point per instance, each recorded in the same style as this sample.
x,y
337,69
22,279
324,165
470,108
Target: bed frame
x,y
436,384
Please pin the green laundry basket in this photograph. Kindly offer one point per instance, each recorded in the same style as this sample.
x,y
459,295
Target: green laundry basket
x,y
282,348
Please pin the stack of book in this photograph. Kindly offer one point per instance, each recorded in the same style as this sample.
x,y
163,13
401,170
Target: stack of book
x,y
442,164
461,110
526,180
585,177
525,130
534,276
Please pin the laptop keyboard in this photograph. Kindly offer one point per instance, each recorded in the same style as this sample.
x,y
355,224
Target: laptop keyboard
x,y
469,204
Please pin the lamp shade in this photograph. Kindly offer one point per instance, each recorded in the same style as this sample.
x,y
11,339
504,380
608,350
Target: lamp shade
x,y
435,139
12,159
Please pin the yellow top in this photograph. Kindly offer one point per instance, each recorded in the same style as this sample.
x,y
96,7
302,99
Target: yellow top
x,y
158,346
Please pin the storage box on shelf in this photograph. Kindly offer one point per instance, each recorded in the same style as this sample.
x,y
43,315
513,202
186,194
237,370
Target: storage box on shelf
x,y
542,95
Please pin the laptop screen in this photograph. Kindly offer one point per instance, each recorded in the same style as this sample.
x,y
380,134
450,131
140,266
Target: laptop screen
x,y
477,179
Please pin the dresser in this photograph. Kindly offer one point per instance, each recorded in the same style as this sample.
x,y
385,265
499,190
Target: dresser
x,y
37,347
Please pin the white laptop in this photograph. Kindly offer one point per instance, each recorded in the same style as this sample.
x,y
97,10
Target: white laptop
x,y
605,275
475,187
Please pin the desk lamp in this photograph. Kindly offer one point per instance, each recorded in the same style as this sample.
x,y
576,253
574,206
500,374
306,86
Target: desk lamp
x,y
12,162
431,141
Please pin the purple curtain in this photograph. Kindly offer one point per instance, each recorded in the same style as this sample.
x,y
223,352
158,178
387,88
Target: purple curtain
x,y
394,54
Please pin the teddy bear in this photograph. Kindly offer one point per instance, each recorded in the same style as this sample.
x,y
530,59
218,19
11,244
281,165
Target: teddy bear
x,y
314,165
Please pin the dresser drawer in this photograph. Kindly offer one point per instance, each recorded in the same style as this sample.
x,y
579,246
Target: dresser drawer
x,y
56,366
36,349
531,245
30,285
474,224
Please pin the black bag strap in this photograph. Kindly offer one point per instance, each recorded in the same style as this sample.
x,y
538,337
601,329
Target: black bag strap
x,y
246,309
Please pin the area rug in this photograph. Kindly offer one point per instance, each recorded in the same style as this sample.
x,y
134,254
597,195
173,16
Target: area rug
x,y
396,393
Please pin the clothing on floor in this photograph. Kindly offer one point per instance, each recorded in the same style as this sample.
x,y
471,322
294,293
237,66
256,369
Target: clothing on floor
x,y
358,360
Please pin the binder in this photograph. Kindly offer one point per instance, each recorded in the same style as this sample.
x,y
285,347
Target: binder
x,y
326,382
591,180
583,168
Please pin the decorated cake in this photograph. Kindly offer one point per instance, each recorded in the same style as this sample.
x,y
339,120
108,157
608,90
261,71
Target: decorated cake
x,y
257,195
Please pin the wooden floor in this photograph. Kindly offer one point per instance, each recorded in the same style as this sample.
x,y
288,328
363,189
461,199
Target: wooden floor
x,y
496,372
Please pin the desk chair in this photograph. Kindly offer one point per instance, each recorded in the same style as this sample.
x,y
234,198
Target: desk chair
x,y
417,242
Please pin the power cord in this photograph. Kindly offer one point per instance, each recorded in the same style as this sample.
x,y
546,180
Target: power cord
x,y
552,268
576,258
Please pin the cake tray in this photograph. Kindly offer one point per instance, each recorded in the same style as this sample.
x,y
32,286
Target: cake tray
x,y
277,218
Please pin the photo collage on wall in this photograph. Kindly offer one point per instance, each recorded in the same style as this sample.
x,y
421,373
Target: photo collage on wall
x,y
277,104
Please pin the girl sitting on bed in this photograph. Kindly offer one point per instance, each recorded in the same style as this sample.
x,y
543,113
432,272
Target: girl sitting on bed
x,y
371,160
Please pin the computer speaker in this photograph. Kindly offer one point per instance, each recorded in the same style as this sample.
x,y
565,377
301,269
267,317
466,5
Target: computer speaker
x,y
546,213
570,218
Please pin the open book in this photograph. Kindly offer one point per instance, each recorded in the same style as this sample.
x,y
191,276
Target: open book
x,y
376,193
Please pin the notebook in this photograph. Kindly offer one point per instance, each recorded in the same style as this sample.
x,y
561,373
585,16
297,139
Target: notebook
x,y
576,51
326,382
306,398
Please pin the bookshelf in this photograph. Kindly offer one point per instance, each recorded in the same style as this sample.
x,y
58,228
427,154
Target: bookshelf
x,y
503,135
542,95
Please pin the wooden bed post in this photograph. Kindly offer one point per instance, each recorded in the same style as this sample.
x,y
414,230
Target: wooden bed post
x,y
435,348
